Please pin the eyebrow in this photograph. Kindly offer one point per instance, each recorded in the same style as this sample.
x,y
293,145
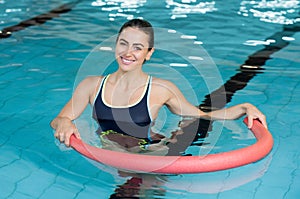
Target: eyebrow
x,y
133,43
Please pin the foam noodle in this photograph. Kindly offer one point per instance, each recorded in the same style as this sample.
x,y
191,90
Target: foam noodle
x,y
181,164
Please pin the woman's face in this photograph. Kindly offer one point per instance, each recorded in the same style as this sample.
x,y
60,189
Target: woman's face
x,y
132,49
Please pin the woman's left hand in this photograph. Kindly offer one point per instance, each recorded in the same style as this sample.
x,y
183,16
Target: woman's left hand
x,y
253,113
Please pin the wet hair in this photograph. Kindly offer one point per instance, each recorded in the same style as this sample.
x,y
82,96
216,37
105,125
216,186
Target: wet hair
x,y
142,25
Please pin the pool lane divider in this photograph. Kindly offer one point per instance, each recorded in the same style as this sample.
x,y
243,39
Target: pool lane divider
x,y
38,20
142,163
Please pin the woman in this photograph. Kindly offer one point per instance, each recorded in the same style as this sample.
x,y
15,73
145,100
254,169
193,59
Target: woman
x,y
126,102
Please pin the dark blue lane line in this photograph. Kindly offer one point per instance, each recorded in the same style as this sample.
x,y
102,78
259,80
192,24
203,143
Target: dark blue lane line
x,y
260,57
248,70
251,67
38,20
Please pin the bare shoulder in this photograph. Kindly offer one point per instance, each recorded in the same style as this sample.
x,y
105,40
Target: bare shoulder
x,y
89,84
163,84
91,81
87,88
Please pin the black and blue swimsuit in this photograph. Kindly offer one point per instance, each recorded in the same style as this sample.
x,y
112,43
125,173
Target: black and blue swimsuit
x,y
132,120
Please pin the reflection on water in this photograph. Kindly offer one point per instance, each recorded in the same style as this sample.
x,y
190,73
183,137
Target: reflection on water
x,y
277,11
135,185
182,8
120,8
128,9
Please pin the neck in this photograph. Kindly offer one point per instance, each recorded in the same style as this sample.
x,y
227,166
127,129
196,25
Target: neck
x,y
129,79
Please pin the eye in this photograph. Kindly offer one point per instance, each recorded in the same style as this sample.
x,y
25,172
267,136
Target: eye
x,y
137,48
122,43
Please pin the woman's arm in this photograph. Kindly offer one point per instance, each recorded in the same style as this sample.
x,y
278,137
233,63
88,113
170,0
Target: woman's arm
x,y
63,123
177,103
238,111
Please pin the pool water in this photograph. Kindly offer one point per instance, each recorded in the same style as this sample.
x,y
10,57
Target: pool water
x,y
42,59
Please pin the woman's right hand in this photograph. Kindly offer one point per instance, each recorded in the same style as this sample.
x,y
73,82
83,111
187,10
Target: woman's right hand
x,y
64,128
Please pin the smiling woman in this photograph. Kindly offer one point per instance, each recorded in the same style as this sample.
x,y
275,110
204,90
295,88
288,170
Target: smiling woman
x,y
131,49
126,102
250,54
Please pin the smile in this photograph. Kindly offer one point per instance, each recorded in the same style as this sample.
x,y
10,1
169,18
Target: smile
x,y
127,61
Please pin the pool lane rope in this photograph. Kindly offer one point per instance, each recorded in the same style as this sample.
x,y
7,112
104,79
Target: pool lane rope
x,y
181,164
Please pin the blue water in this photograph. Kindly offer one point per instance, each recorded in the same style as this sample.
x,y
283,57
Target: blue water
x,y
40,65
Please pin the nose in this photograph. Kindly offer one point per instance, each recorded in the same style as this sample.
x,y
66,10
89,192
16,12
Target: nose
x,y
128,51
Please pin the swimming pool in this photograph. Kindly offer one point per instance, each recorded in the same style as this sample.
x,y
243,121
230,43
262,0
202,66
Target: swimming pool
x,y
39,65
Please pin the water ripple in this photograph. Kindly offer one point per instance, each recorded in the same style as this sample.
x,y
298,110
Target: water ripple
x,y
277,11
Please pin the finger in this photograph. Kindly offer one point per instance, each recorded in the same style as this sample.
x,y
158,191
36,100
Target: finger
x,y
67,141
264,122
250,121
77,134
61,137
67,137
56,135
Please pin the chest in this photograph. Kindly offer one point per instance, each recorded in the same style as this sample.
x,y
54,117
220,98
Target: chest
x,y
122,97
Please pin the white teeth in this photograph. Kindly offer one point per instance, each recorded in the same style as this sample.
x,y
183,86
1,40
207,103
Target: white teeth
x,y
127,60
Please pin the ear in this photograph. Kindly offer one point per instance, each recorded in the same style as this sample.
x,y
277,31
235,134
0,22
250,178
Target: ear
x,y
149,54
